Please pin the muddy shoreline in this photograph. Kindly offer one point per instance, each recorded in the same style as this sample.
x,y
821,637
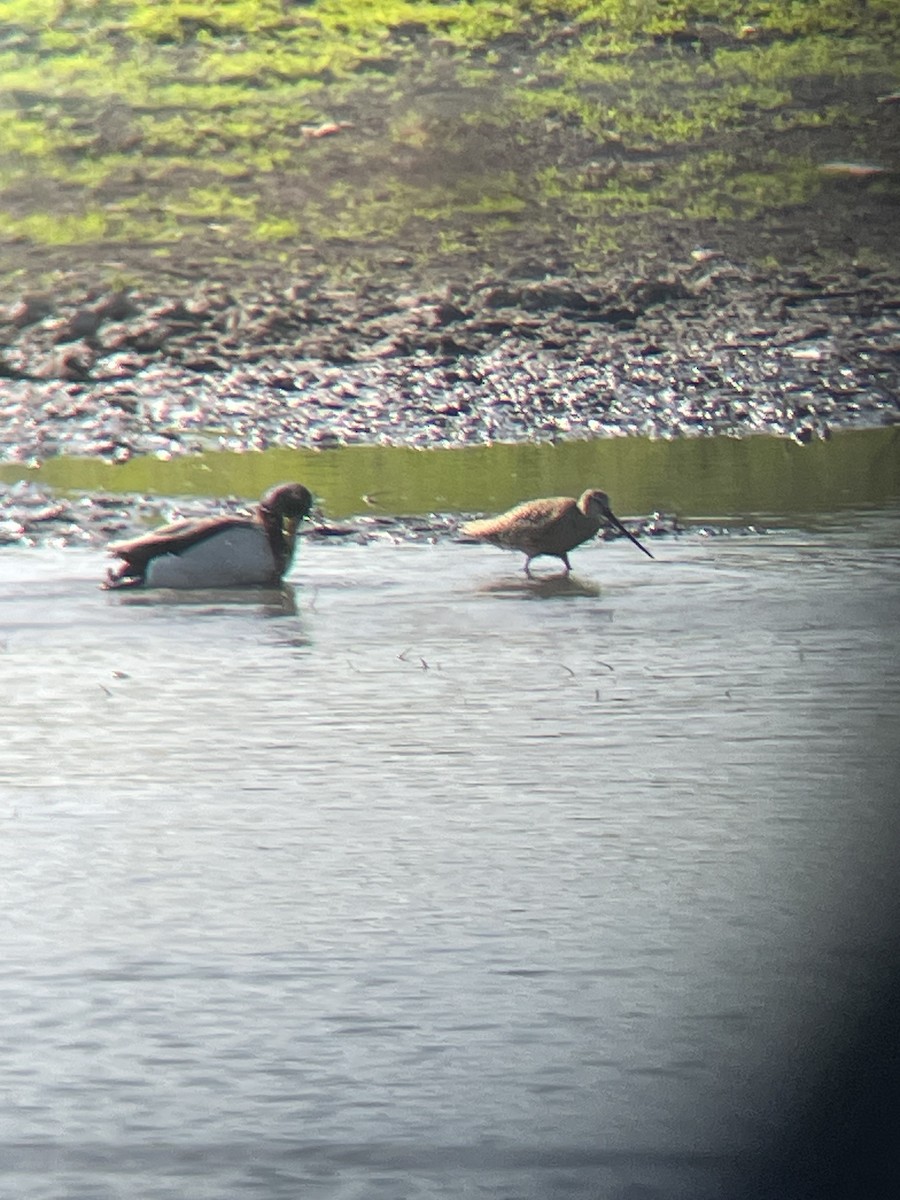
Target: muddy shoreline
x,y
708,346
33,516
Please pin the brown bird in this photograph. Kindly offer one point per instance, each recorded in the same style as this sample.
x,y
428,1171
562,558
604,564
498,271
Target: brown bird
x,y
217,551
550,527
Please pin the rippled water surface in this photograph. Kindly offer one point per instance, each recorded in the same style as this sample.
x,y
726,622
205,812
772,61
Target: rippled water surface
x,y
441,885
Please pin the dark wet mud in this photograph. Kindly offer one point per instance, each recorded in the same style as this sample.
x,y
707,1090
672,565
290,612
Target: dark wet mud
x,y
710,346
35,516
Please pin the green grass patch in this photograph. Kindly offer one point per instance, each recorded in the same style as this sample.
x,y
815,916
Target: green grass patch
x,y
341,120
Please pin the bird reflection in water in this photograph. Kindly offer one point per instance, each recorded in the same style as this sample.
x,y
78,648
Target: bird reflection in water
x,y
548,587
278,601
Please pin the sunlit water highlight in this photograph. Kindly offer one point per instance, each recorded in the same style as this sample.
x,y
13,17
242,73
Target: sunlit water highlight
x,y
442,884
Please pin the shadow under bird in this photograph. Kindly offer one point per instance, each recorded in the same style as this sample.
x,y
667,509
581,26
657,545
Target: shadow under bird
x,y
550,527
215,552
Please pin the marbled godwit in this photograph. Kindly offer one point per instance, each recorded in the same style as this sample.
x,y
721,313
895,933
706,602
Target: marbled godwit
x,y
217,551
550,527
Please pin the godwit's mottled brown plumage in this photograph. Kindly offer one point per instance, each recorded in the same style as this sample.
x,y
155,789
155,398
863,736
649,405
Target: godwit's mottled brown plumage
x,y
217,551
550,527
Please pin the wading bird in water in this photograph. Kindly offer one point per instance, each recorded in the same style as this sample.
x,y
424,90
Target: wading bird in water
x,y
550,527
217,551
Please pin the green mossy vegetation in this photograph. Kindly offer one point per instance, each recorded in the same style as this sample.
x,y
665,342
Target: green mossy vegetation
x,y
421,128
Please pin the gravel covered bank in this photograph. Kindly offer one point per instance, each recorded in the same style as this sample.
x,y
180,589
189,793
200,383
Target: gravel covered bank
x,y
706,346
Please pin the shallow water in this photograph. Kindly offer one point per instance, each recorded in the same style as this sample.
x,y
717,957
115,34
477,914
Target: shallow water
x,y
427,882
693,476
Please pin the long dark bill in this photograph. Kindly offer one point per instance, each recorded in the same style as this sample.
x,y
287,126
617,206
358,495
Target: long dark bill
x,y
614,520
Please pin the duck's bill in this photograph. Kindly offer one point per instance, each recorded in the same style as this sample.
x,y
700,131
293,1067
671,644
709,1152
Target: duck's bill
x,y
618,524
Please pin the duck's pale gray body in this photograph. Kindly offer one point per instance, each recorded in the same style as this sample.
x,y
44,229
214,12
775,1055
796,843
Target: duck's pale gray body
x,y
236,557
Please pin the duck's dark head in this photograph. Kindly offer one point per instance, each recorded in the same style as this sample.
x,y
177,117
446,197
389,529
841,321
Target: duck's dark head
x,y
286,501
281,510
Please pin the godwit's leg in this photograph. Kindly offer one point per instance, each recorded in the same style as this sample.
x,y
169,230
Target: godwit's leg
x,y
566,563
528,567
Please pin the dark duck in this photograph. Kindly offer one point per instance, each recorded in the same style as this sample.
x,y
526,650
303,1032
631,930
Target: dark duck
x,y
215,552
